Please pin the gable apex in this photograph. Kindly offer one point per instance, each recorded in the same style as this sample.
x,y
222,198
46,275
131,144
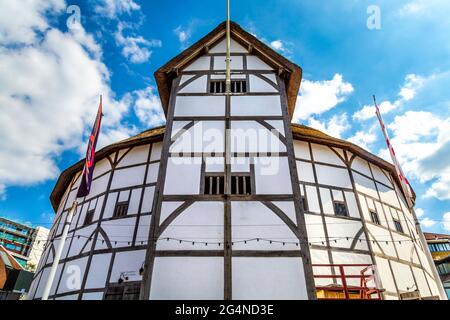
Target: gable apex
x,y
289,72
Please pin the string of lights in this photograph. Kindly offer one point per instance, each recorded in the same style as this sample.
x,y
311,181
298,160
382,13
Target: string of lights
x,y
216,241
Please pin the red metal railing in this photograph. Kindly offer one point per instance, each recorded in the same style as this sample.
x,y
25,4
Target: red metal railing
x,y
367,289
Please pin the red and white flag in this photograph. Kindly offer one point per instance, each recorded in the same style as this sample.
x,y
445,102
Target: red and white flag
x,y
85,186
403,181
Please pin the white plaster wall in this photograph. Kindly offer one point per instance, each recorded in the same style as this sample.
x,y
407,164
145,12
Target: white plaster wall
x,y
156,151
255,63
98,271
380,175
272,175
268,279
320,257
256,106
204,136
388,195
110,205
305,172
199,64
187,278
327,202
152,174
385,274
133,207
237,63
361,166
221,47
324,154
147,202
202,221
340,229
77,244
253,220
72,275
352,204
197,86
143,230
137,155
92,296
128,262
313,199
128,177
381,235
98,186
421,282
301,150
187,106
365,185
333,176
351,258
186,77
315,229
120,230
259,85
250,136
190,173
100,168
403,276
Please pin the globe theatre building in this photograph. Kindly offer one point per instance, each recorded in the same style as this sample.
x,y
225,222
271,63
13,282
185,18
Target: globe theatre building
x,y
231,201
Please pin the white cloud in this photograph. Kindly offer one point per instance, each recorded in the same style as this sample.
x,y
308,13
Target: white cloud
x,y
446,221
183,35
135,48
21,21
427,222
148,108
422,142
333,127
51,101
317,97
281,46
407,92
419,212
364,139
113,8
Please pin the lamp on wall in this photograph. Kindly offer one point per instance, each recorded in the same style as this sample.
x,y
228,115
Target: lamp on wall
x,y
123,277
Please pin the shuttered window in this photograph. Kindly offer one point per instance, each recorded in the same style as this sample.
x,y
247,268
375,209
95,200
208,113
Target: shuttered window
x,y
219,86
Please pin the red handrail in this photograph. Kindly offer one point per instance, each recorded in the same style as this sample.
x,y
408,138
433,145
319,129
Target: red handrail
x,y
365,292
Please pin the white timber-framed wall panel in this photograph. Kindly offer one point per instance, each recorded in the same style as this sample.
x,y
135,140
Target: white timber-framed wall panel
x,y
105,242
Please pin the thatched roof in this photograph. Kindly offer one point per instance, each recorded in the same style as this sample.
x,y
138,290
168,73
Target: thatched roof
x,y
157,134
290,72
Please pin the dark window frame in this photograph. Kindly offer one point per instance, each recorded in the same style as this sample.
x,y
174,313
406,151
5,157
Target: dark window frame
x,y
304,203
123,291
121,209
374,217
89,217
241,184
398,226
214,183
218,86
344,206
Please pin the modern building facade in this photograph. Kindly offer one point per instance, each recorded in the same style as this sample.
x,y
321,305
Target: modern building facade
x,y
439,245
231,201
25,243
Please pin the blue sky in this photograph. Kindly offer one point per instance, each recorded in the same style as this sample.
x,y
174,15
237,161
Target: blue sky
x,y
53,66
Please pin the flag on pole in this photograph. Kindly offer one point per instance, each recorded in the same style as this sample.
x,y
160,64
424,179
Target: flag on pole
x,y
403,180
86,181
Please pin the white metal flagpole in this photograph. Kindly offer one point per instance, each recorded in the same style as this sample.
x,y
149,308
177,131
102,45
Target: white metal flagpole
x,y
228,59
59,250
